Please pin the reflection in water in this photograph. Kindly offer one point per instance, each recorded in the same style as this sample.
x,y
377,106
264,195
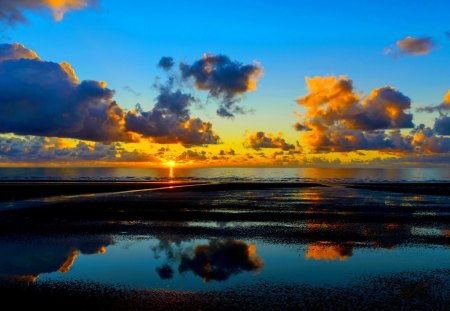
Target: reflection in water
x,y
24,260
215,261
327,251
65,267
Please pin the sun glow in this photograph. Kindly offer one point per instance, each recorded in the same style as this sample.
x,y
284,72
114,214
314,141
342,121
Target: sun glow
x,y
170,163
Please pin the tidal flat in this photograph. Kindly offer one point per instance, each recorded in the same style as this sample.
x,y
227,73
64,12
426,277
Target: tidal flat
x,y
222,245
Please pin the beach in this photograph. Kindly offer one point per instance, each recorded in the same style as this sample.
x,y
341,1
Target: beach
x,y
203,245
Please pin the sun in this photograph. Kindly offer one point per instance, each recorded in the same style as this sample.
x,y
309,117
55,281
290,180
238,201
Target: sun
x,y
170,163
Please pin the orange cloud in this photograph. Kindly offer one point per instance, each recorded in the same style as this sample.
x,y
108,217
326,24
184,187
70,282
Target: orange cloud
x,y
60,7
339,120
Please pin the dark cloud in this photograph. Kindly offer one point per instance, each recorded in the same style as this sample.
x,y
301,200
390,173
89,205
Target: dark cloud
x,y
383,109
442,125
300,127
338,139
47,99
229,152
191,155
12,11
412,46
425,139
170,121
221,259
166,63
224,79
260,140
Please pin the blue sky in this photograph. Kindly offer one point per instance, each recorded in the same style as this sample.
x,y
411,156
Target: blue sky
x,y
121,43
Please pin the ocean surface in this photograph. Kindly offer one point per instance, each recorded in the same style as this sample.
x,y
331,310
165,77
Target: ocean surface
x,y
336,175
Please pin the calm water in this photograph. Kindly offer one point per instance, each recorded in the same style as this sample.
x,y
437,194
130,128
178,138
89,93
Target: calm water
x,y
177,263
229,174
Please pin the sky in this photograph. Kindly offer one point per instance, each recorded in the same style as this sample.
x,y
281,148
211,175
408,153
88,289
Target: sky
x,y
291,83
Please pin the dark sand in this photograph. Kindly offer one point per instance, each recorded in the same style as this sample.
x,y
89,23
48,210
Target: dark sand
x,y
429,291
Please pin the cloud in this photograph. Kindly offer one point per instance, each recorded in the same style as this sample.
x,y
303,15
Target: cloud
x,y
130,90
16,51
428,142
442,108
190,155
224,79
300,127
412,46
166,63
47,99
260,140
340,121
12,11
337,119
229,152
221,259
442,125
43,149
331,100
170,121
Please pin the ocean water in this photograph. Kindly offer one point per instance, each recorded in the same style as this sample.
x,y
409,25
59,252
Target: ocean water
x,y
229,174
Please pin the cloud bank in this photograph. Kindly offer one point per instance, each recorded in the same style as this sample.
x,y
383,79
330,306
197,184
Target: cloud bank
x,y
338,120
44,98
44,149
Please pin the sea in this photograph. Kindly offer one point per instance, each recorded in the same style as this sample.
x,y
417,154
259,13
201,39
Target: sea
x,y
228,174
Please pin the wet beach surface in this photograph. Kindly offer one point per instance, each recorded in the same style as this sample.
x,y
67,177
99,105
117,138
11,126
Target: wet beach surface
x,y
227,245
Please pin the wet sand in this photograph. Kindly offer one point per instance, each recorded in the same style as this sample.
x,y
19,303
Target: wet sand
x,y
432,188
428,291
344,217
